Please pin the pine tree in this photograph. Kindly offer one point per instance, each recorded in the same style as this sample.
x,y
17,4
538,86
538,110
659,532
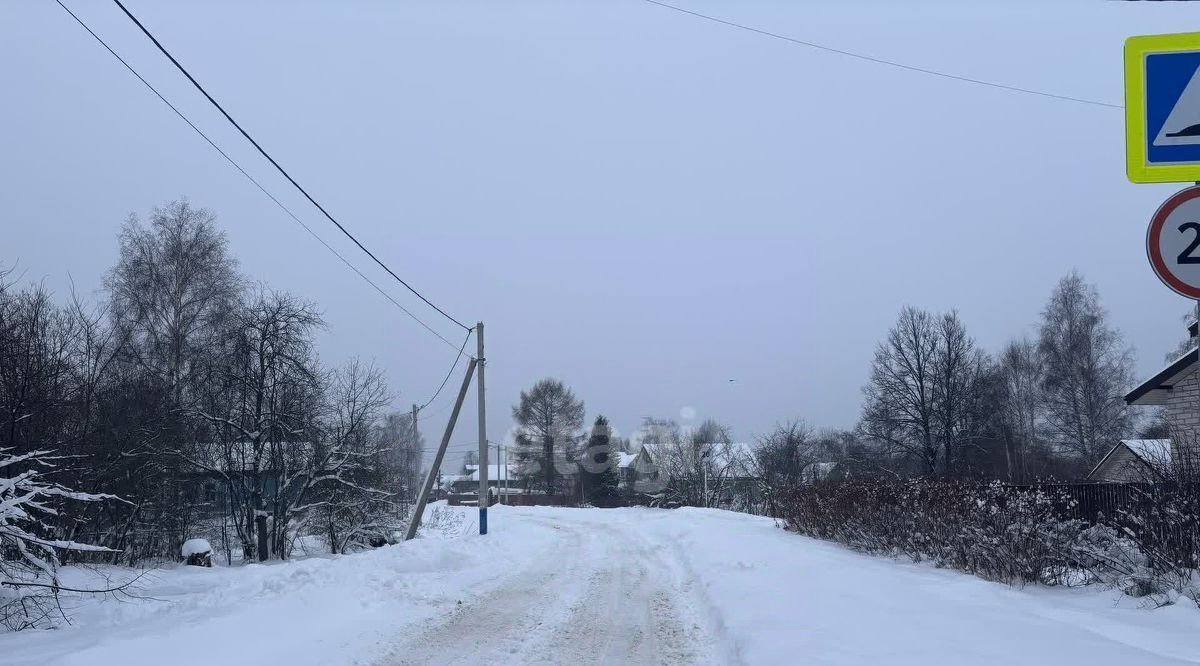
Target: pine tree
x,y
600,467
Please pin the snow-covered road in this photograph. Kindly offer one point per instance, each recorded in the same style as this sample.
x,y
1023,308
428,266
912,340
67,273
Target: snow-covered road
x,y
592,586
601,597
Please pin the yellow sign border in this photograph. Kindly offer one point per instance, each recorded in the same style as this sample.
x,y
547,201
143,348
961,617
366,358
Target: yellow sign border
x,y
1136,166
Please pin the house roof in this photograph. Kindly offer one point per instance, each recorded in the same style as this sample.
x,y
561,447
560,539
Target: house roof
x,y
1154,391
626,459
1154,453
495,472
1151,450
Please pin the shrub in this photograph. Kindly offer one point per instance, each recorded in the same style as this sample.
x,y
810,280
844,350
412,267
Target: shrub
x,y
1010,534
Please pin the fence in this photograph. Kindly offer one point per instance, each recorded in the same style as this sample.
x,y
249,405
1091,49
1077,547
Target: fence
x,y
1093,502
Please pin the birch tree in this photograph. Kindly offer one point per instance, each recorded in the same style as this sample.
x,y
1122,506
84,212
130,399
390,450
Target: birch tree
x,y
173,292
1087,370
1021,411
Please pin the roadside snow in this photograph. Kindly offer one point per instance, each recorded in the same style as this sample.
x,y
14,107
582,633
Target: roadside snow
x,y
783,598
320,610
554,585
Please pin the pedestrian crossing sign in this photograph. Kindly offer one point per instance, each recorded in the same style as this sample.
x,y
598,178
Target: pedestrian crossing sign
x,y
1162,108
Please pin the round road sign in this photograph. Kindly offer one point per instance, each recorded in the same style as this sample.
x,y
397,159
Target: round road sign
x,y
1173,242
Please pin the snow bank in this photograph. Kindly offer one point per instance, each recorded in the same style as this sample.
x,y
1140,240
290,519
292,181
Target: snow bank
x,y
322,610
774,597
783,598
757,595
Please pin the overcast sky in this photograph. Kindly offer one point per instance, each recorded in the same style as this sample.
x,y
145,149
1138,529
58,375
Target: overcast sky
x,y
641,203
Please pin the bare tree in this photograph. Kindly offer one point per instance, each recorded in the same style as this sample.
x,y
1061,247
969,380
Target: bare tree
x,y
262,415
959,371
349,481
695,459
30,505
1087,369
900,409
550,418
173,292
779,459
1021,411
406,452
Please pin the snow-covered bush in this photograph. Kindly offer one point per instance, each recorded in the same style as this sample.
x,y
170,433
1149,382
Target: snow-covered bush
x,y
197,552
29,544
443,520
1010,534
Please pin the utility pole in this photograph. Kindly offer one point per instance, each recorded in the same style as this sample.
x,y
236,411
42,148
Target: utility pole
x,y
501,470
435,472
499,500
416,440
483,443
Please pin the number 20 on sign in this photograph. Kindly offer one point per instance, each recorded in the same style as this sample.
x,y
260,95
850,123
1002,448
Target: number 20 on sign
x,y
1173,243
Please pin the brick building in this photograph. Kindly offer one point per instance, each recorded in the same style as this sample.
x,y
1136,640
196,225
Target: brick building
x,y
1177,389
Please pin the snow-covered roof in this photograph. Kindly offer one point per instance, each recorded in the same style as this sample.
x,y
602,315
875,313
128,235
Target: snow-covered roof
x,y
494,472
625,459
1153,451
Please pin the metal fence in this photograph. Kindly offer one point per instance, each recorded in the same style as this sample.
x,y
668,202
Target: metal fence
x,y
1164,518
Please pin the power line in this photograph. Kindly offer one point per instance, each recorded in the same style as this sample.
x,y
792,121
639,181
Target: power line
x,y
257,184
883,61
281,170
448,372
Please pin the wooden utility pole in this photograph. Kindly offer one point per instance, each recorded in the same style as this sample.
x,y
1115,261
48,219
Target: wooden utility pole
x,y
483,443
435,469
416,442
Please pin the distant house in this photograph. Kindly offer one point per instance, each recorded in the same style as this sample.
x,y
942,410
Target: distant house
x,y
632,467
497,476
1176,388
1134,461
448,483
218,474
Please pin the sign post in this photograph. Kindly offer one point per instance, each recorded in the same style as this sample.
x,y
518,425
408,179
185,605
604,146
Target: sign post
x,y
1162,145
1173,244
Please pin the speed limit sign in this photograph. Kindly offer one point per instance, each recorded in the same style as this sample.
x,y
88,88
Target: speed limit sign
x,y
1173,242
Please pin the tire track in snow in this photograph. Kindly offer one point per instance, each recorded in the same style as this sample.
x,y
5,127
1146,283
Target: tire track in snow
x,y
495,625
608,596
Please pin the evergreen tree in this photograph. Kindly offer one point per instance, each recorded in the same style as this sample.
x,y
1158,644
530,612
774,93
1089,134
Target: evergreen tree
x,y
549,417
601,483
